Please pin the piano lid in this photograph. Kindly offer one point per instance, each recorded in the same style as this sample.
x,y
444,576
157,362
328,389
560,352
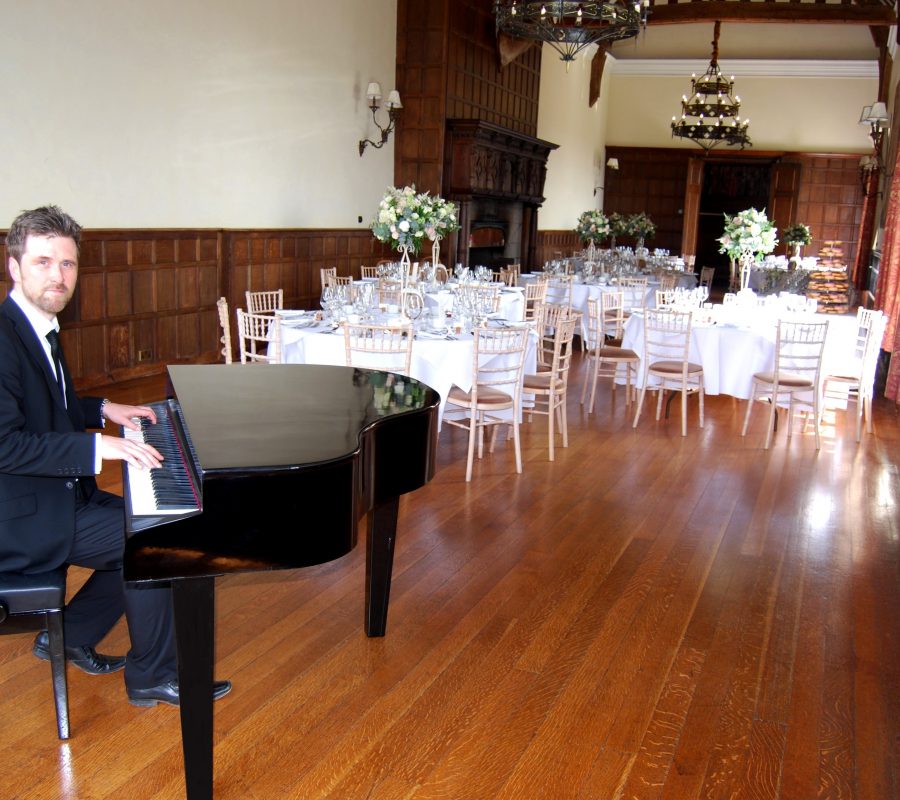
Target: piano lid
x,y
283,415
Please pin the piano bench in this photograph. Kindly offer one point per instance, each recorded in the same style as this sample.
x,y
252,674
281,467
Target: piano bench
x,y
35,603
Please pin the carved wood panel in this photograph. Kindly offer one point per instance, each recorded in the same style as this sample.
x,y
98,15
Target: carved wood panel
x,y
448,67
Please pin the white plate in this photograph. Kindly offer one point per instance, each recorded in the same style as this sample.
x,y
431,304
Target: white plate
x,y
299,322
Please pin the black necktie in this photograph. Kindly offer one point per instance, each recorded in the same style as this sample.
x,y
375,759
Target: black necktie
x,y
53,338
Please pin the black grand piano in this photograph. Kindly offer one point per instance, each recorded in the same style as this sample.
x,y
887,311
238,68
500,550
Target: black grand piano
x,y
269,467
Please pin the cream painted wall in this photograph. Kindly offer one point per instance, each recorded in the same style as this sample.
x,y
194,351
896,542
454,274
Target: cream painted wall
x,y
817,115
182,113
813,115
564,118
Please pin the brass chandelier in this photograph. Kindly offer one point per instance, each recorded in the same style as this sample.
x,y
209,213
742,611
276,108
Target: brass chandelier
x,y
569,27
710,116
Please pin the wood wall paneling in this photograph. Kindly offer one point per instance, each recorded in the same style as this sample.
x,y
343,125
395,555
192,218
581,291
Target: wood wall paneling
x,y
143,291
820,190
830,201
553,243
118,337
421,79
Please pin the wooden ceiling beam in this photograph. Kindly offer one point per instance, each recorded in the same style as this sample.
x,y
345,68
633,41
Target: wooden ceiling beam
x,y
775,12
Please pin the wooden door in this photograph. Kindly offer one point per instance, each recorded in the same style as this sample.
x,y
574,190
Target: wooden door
x,y
784,191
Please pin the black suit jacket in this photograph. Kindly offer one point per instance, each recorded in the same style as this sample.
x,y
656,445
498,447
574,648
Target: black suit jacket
x,y
43,447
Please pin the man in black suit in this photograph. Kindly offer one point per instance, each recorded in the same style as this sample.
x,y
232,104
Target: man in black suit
x,y
51,511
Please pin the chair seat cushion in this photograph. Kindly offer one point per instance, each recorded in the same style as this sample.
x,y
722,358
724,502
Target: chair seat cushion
x,y
487,396
674,367
25,594
618,354
784,379
540,381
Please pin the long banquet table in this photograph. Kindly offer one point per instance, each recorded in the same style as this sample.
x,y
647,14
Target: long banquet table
x,y
730,352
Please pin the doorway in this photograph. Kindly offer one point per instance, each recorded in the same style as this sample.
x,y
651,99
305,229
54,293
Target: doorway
x,y
728,187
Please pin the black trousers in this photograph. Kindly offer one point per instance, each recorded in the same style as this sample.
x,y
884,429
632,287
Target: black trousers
x,y
99,544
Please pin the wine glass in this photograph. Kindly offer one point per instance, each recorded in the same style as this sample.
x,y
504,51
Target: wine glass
x,y
327,299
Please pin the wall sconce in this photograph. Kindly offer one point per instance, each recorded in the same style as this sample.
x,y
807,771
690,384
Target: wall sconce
x,y
876,117
393,105
611,163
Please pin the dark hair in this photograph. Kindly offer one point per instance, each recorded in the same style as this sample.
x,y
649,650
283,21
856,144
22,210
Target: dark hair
x,y
43,221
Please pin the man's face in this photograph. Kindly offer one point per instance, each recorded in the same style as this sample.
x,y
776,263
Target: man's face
x,y
47,273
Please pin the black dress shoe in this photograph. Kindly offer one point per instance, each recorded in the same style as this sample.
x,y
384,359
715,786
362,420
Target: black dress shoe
x,y
168,693
85,658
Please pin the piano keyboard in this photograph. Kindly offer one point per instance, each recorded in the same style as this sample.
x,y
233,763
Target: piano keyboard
x,y
168,489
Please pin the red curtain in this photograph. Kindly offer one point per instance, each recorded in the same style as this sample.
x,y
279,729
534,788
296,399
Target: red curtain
x,y
887,297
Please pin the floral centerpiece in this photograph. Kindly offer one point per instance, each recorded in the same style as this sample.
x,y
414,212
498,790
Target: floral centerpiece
x,y
406,218
641,226
618,226
797,235
747,238
593,227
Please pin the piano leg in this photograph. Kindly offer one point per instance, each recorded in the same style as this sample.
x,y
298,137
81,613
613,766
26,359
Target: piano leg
x,y
382,531
194,603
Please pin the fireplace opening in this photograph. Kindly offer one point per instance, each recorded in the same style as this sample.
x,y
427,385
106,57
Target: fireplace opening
x,y
487,245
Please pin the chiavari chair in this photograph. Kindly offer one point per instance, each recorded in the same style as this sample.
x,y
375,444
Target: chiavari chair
x,y
384,347
499,358
605,325
861,382
260,337
667,341
225,324
264,302
798,364
549,386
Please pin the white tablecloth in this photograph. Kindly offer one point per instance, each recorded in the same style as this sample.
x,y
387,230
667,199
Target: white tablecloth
x,y
730,354
439,363
582,292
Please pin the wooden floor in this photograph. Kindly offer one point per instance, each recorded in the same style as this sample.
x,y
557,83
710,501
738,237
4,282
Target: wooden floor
x,y
650,616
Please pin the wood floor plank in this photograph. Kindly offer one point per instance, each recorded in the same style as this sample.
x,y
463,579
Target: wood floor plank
x,y
650,768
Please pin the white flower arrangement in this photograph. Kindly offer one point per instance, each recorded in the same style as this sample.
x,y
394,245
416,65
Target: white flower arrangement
x,y
748,233
406,218
593,226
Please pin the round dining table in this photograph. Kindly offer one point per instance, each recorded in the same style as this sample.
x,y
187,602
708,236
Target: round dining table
x,y
442,299
733,346
437,360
